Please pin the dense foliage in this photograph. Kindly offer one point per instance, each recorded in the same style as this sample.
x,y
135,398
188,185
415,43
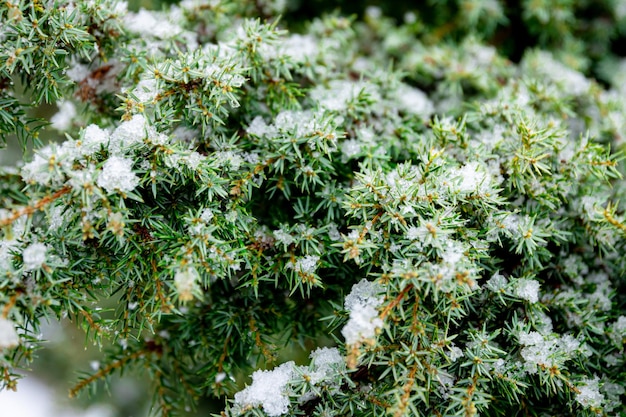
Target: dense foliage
x,y
429,206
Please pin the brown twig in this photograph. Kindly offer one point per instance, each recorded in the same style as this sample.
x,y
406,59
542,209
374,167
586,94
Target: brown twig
x,y
406,395
258,342
105,371
220,363
7,308
612,220
165,406
91,321
166,307
396,301
28,210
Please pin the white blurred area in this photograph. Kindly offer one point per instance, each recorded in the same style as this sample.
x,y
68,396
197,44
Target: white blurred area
x,y
34,399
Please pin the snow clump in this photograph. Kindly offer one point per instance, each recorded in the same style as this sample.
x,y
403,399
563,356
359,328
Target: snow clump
x,y
364,321
117,175
269,390
8,335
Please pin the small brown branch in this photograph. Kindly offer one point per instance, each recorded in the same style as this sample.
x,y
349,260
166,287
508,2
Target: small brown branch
x,y
220,364
165,406
612,220
7,308
396,301
105,371
28,210
166,307
374,221
406,395
95,326
258,342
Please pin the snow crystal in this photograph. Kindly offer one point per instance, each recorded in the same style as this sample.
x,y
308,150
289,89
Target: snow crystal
x,y
231,216
569,344
326,362
7,247
283,237
93,139
530,339
117,175
541,354
512,223
491,139
186,282
618,330
455,353
349,149
453,253
228,159
497,282
472,178
426,230
339,93
193,160
447,381
146,90
601,297
499,366
41,169
620,325
542,322
250,157
588,394
527,289
268,389
308,264
308,170
56,217
259,128
34,256
547,350
206,215
414,233
8,335
333,232
481,56
128,133
83,178
362,303
289,120
362,325
184,134
364,293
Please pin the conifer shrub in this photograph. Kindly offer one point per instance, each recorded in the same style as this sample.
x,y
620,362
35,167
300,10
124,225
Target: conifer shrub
x,y
428,205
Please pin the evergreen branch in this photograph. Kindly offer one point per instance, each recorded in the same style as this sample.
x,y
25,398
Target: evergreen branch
x,y
106,371
38,205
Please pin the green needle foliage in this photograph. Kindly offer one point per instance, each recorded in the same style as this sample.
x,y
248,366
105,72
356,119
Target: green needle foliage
x,y
438,222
